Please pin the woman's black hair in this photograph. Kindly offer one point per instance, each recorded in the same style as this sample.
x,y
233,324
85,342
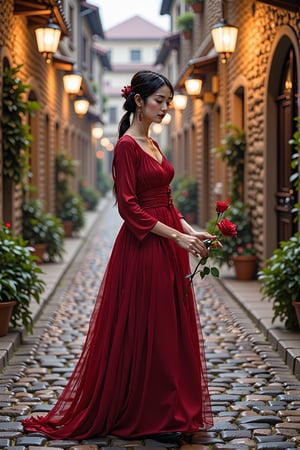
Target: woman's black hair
x,y
144,83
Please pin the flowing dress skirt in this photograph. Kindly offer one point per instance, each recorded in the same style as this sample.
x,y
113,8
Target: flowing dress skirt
x,y
142,369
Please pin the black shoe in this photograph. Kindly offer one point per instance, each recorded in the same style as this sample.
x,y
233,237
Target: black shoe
x,y
165,437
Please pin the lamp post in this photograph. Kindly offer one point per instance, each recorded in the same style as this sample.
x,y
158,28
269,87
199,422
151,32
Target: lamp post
x,y
47,38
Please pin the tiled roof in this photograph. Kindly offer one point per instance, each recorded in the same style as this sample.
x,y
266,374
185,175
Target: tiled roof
x,y
135,28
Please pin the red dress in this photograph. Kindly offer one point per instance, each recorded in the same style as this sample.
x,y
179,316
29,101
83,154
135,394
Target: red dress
x,y
142,369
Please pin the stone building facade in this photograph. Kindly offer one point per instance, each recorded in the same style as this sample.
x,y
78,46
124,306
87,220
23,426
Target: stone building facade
x,y
258,91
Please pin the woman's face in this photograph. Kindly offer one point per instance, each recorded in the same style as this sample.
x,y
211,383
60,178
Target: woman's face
x,y
157,104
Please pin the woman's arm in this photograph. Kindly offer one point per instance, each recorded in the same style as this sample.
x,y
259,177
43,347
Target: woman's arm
x,y
190,242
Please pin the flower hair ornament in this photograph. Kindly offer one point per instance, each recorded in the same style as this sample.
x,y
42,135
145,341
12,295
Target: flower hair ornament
x,y
126,91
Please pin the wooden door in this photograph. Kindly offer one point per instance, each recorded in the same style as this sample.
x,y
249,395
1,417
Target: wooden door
x,y
286,110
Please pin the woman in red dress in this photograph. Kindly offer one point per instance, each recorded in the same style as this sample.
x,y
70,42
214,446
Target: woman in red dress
x,y
142,370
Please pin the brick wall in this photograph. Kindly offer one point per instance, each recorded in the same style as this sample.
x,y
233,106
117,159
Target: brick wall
x,y
57,127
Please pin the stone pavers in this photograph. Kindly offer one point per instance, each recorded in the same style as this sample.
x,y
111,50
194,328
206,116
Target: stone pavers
x,y
255,398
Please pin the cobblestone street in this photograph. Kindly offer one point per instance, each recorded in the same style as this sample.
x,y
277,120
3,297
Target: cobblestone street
x,y
255,398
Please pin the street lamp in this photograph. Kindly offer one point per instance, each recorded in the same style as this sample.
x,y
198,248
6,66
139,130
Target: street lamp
x,y
47,38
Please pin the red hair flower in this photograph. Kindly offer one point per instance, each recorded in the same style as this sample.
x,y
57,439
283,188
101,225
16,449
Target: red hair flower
x,y
126,91
227,228
221,207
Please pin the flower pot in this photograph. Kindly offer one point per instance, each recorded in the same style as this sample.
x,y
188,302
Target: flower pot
x,y
6,309
187,34
39,251
197,7
296,305
68,228
244,266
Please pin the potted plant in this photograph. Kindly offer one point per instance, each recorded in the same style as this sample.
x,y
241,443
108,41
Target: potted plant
x,y
232,151
185,189
20,280
89,195
16,136
280,280
196,5
42,230
71,211
185,23
69,205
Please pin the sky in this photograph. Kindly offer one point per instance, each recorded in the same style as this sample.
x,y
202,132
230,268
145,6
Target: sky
x,y
113,12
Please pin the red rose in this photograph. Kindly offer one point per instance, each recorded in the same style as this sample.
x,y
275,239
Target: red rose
x,y
221,207
227,228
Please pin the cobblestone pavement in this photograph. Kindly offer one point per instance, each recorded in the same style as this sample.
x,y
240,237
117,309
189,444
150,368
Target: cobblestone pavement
x,y
255,399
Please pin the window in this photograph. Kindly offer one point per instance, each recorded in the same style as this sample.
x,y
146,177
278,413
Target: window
x,y
135,55
112,114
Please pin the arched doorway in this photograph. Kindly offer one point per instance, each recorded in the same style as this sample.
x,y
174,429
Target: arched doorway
x,y
281,108
286,111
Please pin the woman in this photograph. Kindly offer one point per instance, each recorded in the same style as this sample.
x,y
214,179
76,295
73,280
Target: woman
x,y
142,370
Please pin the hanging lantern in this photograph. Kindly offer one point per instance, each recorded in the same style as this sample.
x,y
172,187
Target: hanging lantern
x,y
193,86
224,38
167,119
97,131
180,101
81,106
47,38
72,82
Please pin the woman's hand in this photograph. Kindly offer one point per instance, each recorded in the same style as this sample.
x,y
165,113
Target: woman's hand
x,y
192,243
202,235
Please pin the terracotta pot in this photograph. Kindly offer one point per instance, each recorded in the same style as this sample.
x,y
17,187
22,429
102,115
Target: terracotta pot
x,y
6,309
296,305
197,7
39,251
244,266
68,228
187,34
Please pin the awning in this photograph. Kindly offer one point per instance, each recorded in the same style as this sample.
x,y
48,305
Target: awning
x,y
198,67
94,117
171,42
92,14
63,62
38,13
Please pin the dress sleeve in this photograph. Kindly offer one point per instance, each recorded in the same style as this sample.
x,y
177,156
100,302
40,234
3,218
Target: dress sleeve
x,y
125,166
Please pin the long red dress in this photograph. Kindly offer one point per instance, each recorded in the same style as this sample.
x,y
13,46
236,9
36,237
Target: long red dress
x,y
142,369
